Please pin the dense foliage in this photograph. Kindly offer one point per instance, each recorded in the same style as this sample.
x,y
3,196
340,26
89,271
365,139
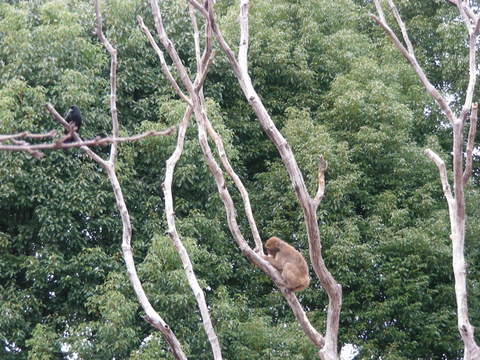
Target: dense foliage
x,y
333,84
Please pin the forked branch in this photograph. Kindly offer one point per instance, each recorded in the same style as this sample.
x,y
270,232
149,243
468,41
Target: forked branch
x,y
151,315
328,346
205,129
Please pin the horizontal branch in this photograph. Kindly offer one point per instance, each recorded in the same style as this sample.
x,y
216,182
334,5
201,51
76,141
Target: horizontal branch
x,y
94,142
28,135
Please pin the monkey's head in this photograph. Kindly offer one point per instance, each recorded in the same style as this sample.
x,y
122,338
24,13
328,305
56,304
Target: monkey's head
x,y
273,245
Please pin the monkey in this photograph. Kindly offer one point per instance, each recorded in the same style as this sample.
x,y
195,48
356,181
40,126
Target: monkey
x,y
289,262
73,115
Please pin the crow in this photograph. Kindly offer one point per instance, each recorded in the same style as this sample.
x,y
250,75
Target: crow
x,y
73,115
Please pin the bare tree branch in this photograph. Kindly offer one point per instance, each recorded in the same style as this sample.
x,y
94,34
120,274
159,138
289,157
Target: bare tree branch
x,y
443,174
151,315
56,116
455,201
244,35
199,7
403,29
251,255
328,348
196,35
466,18
470,143
113,78
238,183
24,146
315,337
472,65
172,52
322,167
203,124
192,105
28,135
36,149
205,128
410,57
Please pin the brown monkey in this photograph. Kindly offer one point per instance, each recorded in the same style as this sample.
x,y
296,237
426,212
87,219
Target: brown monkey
x,y
289,262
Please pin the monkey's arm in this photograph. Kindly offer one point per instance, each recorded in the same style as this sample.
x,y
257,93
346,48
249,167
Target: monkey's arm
x,y
274,261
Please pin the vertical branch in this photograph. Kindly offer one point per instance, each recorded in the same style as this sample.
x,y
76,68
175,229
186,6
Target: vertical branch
x,y
113,77
447,192
403,29
455,201
244,34
171,163
472,66
151,315
163,63
196,35
470,143
174,236
172,52
238,183
322,167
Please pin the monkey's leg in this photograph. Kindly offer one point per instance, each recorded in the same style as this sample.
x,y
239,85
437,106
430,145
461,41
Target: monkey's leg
x,y
292,277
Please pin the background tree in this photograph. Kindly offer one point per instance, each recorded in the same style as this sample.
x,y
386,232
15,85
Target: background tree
x,y
334,85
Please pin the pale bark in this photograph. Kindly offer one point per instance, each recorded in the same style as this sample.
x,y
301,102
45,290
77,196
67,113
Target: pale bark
x,y
151,315
34,149
455,200
171,163
205,129
328,345
470,143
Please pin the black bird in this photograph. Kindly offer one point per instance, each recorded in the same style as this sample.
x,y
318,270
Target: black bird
x,y
73,115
